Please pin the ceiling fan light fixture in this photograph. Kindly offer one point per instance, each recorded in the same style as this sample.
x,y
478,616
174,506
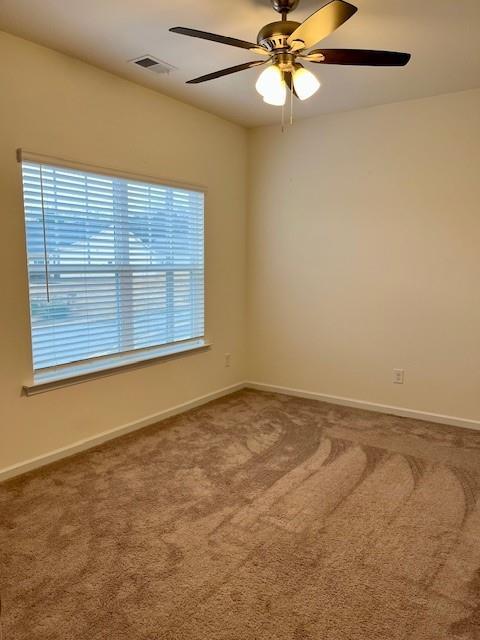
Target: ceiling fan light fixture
x,y
269,81
305,83
277,97
271,86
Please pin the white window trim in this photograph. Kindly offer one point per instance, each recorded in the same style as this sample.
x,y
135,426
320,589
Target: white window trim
x,y
93,368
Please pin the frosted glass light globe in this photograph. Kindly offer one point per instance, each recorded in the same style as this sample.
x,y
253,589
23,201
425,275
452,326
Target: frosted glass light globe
x,y
271,86
277,97
270,79
305,83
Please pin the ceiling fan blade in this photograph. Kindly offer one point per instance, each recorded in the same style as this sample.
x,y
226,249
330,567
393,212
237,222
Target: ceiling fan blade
x,y
233,42
323,22
226,72
364,57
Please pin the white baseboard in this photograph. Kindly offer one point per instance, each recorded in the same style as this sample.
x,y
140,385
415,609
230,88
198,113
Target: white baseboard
x,y
88,443
369,406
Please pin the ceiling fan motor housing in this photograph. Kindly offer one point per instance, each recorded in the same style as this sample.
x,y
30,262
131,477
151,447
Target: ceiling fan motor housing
x,y
285,6
274,36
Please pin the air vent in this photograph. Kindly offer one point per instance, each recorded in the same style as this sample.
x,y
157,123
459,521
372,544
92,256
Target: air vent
x,y
153,64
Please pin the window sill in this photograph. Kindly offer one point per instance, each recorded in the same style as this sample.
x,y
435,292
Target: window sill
x,y
78,373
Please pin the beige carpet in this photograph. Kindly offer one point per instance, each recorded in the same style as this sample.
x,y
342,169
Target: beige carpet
x,y
255,517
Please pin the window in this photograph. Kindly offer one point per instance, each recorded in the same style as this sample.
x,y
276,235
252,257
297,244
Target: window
x,y
115,266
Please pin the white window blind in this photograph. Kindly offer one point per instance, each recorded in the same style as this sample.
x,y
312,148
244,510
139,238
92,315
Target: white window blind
x,y
115,265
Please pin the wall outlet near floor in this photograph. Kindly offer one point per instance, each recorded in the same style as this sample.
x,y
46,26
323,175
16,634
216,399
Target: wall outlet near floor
x,y
398,376
228,358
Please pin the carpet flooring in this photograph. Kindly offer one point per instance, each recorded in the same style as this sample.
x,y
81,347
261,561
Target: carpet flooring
x,y
257,516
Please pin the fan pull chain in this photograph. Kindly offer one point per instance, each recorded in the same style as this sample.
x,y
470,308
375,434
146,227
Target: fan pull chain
x,y
290,114
290,119
283,108
291,104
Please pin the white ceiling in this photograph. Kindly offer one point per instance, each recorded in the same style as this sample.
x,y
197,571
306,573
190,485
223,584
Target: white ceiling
x,y
442,35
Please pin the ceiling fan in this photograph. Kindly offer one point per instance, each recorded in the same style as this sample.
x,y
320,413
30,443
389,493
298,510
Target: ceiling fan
x,y
283,45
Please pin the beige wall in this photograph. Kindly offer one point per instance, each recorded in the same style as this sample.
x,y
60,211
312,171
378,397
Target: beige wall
x,y
363,247
52,104
364,254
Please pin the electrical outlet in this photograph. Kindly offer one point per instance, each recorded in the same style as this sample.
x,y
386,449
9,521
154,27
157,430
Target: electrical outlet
x,y
398,376
228,358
